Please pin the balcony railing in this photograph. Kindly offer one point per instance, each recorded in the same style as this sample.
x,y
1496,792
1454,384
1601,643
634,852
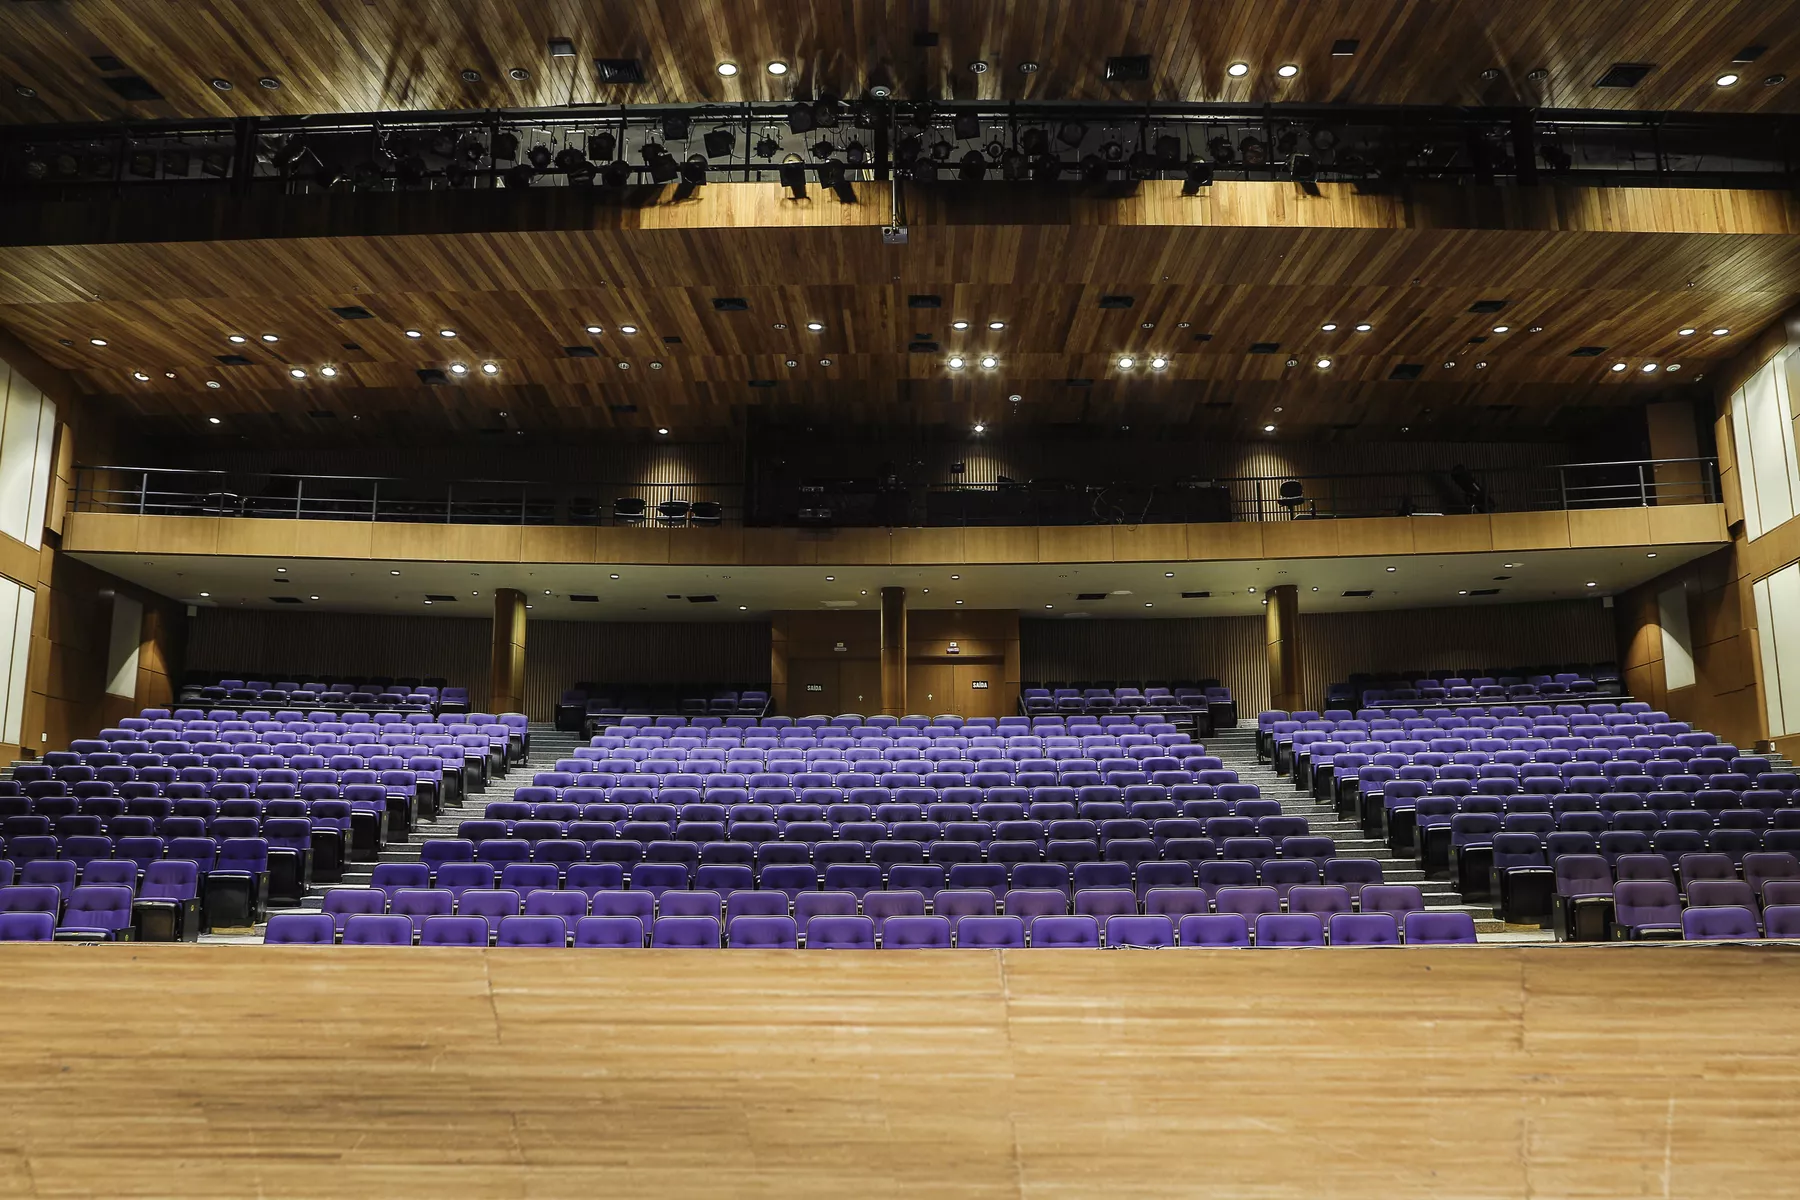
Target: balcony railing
x,y
162,491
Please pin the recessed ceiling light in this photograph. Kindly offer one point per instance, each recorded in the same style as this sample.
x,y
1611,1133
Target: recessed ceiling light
x,y
1726,80
628,329
1127,362
1147,604
959,601
727,69
1015,397
1391,570
1648,368
1671,368
281,570
663,429
831,579
1168,574
458,369
1148,325
1448,365
269,337
780,325
140,376
1652,554
956,577
546,591
1689,332
298,373
1509,566
1618,366
446,333
996,325
1049,606
1324,364
30,93
1591,583
221,85
978,67
1268,429
989,362
1238,70
615,576
956,362
238,339
212,420
414,333
1463,592
1720,332
393,572
959,326
1159,363
1253,591
743,608
823,362
206,593
1030,67
793,362
1503,329
1364,327
312,597
1287,70
96,341
489,368
1772,81
778,68
213,383
1481,366
1329,326
595,329
657,366
815,326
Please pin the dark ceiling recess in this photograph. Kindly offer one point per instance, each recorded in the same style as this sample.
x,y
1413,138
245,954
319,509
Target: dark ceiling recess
x,y
1362,593
924,302
106,62
619,70
922,347
731,304
354,312
132,87
432,376
232,360
285,599
1485,592
585,599
1344,47
1195,595
1487,306
1624,75
1587,352
703,599
1265,347
442,599
1090,595
581,352
1407,371
625,409
762,383
1128,68
1115,302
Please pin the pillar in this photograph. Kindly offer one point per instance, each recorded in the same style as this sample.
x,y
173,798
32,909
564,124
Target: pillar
x,y
506,677
893,651
1285,677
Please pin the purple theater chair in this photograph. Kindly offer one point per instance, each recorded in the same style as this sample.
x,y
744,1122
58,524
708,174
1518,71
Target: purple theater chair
x,y
1227,930
609,933
1646,910
300,929
533,931
340,904
1725,922
916,933
365,929
1782,921
990,933
1439,929
1278,930
27,927
685,933
1080,932
882,907
1364,929
96,911
454,931
840,933
1142,933
762,933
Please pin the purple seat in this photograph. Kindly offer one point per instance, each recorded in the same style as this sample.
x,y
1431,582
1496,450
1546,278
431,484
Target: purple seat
x,y
1322,900
27,927
1439,929
1782,921
685,933
840,933
365,929
881,907
955,905
454,931
1727,922
533,931
570,907
1175,902
1248,902
300,929
762,933
1214,929
340,904
1395,899
609,933
916,933
1289,930
1364,929
990,933
1153,932
823,904
415,904
1080,932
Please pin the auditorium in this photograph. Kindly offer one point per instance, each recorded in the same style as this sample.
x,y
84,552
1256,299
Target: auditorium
x,y
813,479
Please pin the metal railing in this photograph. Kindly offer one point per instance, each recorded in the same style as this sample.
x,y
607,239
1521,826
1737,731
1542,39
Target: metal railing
x,y
179,492
166,491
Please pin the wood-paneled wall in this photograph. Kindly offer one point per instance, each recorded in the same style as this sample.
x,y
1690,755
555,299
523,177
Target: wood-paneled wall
x,y
1724,698
348,646
559,654
1497,1072
1332,645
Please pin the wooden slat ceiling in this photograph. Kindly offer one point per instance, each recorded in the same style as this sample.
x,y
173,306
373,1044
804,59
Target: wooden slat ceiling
x,y
372,55
1201,295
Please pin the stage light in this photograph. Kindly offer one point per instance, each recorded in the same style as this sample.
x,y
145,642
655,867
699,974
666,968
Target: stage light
x,y
831,175
518,175
675,127
1199,175
1071,133
800,119
972,168
966,126
617,173
1222,150
1255,153
793,177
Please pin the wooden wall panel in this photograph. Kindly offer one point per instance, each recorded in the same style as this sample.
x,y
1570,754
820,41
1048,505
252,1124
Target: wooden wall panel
x,y
344,646
1332,645
1500,1073
560,654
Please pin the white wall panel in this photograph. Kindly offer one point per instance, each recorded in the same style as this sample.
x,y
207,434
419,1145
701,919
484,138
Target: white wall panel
x,y
1784,605
1765,634
1677,638
1746,473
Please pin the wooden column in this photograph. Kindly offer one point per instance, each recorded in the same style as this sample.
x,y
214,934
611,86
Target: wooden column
x,y
778,663
1284,648
506,678
893,651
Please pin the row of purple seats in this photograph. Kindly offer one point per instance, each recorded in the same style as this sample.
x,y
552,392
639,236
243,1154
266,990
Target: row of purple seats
x,y
110,902
1596,898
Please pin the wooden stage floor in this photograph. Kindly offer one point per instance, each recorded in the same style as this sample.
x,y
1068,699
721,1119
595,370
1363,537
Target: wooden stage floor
x,y
202,1071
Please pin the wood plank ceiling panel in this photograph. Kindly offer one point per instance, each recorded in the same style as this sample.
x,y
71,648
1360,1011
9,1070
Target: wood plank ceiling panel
x,y
373,55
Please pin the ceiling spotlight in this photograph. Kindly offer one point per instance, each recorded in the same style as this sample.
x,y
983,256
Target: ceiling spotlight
x,y
1364,327
489,368
312,597
978,67
1720,332
614,576
743,608
1127,362
655,365
269,337
1287,70
823,362
458,369
1591,583
989,362
1329,326
1449,365
238,339
214,384
664,430
778,68
96,341
1158,363
1648,368
956,362
959,325
1502,328
1726,80
1324,364
414,333
1618,366
979,428
328,372
595,329
393,572
140,376
1481,366
205,593
727,69
1689,332
1015,397
281,570
815,326
1268,429
221,85
1671,368
831,579
296,372
793,362
628,329
1391,570
996,325
212,420
446,333
1238,70
624,366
